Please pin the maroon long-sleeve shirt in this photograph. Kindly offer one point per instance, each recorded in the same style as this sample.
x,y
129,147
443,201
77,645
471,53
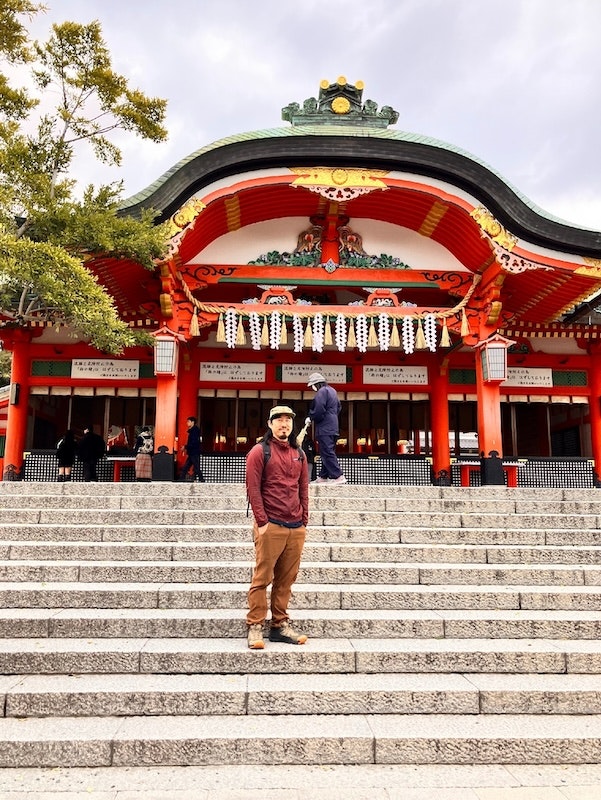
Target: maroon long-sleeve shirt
x,y
279,490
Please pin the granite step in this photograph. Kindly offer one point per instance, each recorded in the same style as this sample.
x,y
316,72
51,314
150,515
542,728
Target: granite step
x,y
232,656
31,594
227,623
177,489
129,694
15,550
238,501
310,572
405,519
446,625
331,534
301,739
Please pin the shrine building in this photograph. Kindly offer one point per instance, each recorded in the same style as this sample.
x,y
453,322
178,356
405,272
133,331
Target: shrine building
x,y
454,317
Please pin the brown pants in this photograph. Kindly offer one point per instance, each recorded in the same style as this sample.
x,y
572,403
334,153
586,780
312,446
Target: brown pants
x,y
277,560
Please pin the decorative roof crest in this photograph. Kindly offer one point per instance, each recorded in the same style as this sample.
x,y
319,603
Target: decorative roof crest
x,y
340,103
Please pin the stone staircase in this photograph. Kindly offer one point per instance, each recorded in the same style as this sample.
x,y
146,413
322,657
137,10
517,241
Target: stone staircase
x,y
447,625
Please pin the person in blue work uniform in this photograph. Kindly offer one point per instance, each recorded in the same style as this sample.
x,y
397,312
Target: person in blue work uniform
x,y
324,412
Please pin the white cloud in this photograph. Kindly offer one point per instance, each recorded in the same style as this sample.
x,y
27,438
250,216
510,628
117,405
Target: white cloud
x,y
515,82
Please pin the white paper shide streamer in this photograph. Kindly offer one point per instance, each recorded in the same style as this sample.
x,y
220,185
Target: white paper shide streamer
x,y
254,326
275,330
383,331
340,333
318,333
299,335
361,333
408,335
231,326
430,331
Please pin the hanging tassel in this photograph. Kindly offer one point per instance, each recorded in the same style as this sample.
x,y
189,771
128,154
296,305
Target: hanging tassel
x,y
284,332
395,339
308,341
265,333
372,338
465,327
194,329
220,337
445,339
328,333
240,333
420,339
351,340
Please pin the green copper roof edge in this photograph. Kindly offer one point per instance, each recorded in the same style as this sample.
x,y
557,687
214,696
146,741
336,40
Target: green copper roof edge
x,y
338,130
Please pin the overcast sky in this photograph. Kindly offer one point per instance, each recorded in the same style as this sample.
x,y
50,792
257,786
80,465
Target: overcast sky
x,y
516,83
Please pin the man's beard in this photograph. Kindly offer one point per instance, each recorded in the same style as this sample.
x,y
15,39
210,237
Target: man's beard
x,y
282,437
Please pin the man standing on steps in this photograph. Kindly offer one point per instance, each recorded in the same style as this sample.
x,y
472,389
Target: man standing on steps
x,y
324,412
277,483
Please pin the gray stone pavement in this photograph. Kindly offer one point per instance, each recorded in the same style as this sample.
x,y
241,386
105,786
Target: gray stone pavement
x,y
368,782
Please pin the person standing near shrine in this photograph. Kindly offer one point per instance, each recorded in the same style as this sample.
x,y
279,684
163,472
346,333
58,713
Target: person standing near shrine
x,y
144,448
65,453
324,412
192,450
277,483
91,449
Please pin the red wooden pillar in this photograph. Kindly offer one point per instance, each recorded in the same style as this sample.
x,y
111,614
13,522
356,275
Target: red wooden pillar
x,y
594,378
439,416
166,412
489,413
18,408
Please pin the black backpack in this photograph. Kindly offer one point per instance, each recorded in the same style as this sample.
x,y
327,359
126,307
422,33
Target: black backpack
x,y
267,453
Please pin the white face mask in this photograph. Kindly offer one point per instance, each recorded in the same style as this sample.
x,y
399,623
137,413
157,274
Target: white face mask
x,y
314,387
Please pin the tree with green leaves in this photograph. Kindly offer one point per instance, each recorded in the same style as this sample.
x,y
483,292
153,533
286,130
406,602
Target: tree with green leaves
x,y
46,233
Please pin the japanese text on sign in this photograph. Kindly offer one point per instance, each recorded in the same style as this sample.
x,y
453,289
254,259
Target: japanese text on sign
x,y
232,373
299,373
105,369
395,375
528,376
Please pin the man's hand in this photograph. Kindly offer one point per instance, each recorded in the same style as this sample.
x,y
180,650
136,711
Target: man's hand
x,y
261,529
308,421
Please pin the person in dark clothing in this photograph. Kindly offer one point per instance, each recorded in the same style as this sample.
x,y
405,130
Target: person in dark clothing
x,y
192,449
278,493
65,453
324,412
91,449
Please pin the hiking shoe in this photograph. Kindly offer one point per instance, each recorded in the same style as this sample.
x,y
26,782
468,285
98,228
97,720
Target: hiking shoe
x,y
286,633
255,637
339,479
320,480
